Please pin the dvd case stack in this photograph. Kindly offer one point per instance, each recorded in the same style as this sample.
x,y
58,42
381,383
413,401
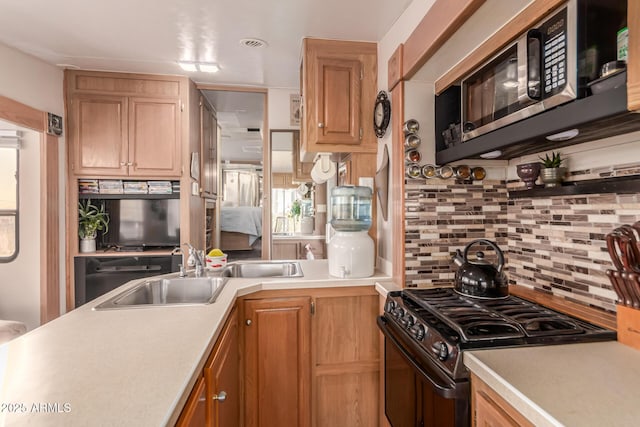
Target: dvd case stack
x,y
135,187
111,186
88,186
160,187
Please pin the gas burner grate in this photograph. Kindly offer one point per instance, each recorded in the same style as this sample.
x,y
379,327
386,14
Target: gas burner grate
x,y
482,319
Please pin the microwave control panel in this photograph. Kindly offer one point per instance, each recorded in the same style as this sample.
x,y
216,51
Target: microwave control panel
x,y
554,56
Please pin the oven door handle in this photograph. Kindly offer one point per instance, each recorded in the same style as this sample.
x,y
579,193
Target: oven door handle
x,y
446,389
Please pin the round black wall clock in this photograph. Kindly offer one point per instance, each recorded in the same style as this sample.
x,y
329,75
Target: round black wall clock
x,y
381,114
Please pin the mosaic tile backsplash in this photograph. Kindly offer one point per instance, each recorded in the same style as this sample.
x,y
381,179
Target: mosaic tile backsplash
x,y
555,244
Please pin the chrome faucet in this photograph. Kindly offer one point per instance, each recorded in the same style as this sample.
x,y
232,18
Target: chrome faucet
x,y
198,257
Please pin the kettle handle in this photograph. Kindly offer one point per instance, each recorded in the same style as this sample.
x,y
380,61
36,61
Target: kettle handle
x,y
489,243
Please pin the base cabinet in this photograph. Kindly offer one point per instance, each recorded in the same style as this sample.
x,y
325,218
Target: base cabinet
x,y
215,399
194,413
222,378
277,364
312,359
491,410
346,358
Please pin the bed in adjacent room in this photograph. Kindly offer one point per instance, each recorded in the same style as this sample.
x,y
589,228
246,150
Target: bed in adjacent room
x,y
240,227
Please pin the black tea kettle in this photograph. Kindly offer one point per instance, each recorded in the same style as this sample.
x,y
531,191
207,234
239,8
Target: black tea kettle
x,y
480,278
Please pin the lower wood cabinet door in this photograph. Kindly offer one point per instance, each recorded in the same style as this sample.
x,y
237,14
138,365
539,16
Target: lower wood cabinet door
x,y
491,410
222,377
277,362
194,413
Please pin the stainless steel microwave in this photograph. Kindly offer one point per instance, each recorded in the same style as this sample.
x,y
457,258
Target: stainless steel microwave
x,y
548,65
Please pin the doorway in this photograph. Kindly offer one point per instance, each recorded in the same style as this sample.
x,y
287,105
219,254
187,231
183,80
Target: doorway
x,y
240,210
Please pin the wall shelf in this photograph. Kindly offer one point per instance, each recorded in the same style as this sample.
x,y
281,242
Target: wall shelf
x,y
617,185
128,196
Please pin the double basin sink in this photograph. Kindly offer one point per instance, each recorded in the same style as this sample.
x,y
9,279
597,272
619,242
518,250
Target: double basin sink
x,y
196,290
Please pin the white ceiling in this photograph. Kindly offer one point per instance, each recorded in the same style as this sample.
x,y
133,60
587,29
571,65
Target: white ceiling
x,y
150,36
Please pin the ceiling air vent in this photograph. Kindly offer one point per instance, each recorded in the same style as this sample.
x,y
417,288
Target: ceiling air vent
x,y
251,42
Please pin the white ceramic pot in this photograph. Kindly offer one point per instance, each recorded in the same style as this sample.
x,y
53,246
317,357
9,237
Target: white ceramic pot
x,y
87,245
351,254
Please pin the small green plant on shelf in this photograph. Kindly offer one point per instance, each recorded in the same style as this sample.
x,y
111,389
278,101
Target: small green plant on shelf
x,y
91,219
555,161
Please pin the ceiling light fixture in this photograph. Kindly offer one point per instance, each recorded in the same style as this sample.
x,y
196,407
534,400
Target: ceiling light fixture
x,y
205,67
208,67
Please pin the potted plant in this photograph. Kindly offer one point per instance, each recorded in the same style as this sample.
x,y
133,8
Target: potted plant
x,y
552,171
91,219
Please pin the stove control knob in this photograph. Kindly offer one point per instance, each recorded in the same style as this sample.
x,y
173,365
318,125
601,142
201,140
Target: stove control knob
x,y
407,321
417,331
389,306
441,350
398,312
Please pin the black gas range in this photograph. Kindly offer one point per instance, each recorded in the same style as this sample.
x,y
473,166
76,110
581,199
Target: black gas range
x,y
427,331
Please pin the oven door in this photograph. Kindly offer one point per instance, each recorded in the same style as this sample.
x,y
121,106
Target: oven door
x,y
417,392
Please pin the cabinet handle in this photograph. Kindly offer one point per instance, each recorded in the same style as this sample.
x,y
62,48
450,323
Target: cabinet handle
x,y
248,322
220,397
123,163
129,163
321,125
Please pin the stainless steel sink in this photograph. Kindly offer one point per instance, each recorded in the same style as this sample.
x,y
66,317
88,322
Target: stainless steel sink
x,y
263,269
166,292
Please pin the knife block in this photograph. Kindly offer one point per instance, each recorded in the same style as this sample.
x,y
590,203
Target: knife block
x,y
628,320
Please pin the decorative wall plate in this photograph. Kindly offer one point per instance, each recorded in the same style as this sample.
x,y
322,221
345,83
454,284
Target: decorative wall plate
x,y
381,114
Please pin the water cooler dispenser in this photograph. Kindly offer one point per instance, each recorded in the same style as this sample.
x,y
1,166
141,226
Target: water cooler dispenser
x,y
351,249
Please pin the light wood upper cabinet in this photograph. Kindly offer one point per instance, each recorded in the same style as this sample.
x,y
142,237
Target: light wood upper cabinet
x,y
338,94
277,366
124,124
154,148
99,134
222,376
301,170
208,149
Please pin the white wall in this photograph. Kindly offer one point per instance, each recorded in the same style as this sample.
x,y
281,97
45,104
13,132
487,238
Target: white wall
x,y
400,31
278,108
30,81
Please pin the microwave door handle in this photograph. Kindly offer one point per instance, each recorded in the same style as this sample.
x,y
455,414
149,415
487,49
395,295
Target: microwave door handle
x,y
533,66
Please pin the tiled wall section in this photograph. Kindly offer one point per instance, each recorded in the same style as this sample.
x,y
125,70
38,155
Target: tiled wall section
x,y
444,215
554,244
558,244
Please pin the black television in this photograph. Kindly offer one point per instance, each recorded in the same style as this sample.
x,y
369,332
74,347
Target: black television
x,y
139,224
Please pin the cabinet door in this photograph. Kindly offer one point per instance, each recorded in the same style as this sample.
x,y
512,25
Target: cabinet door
x,y
222,375
338,101
208,150
154,136
285,249
277,362
194,412
99,134
346,359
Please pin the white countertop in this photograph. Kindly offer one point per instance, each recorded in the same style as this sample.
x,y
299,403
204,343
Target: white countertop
x,y
595,384
127,367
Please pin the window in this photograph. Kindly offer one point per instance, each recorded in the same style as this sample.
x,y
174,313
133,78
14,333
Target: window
x,y
8,202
